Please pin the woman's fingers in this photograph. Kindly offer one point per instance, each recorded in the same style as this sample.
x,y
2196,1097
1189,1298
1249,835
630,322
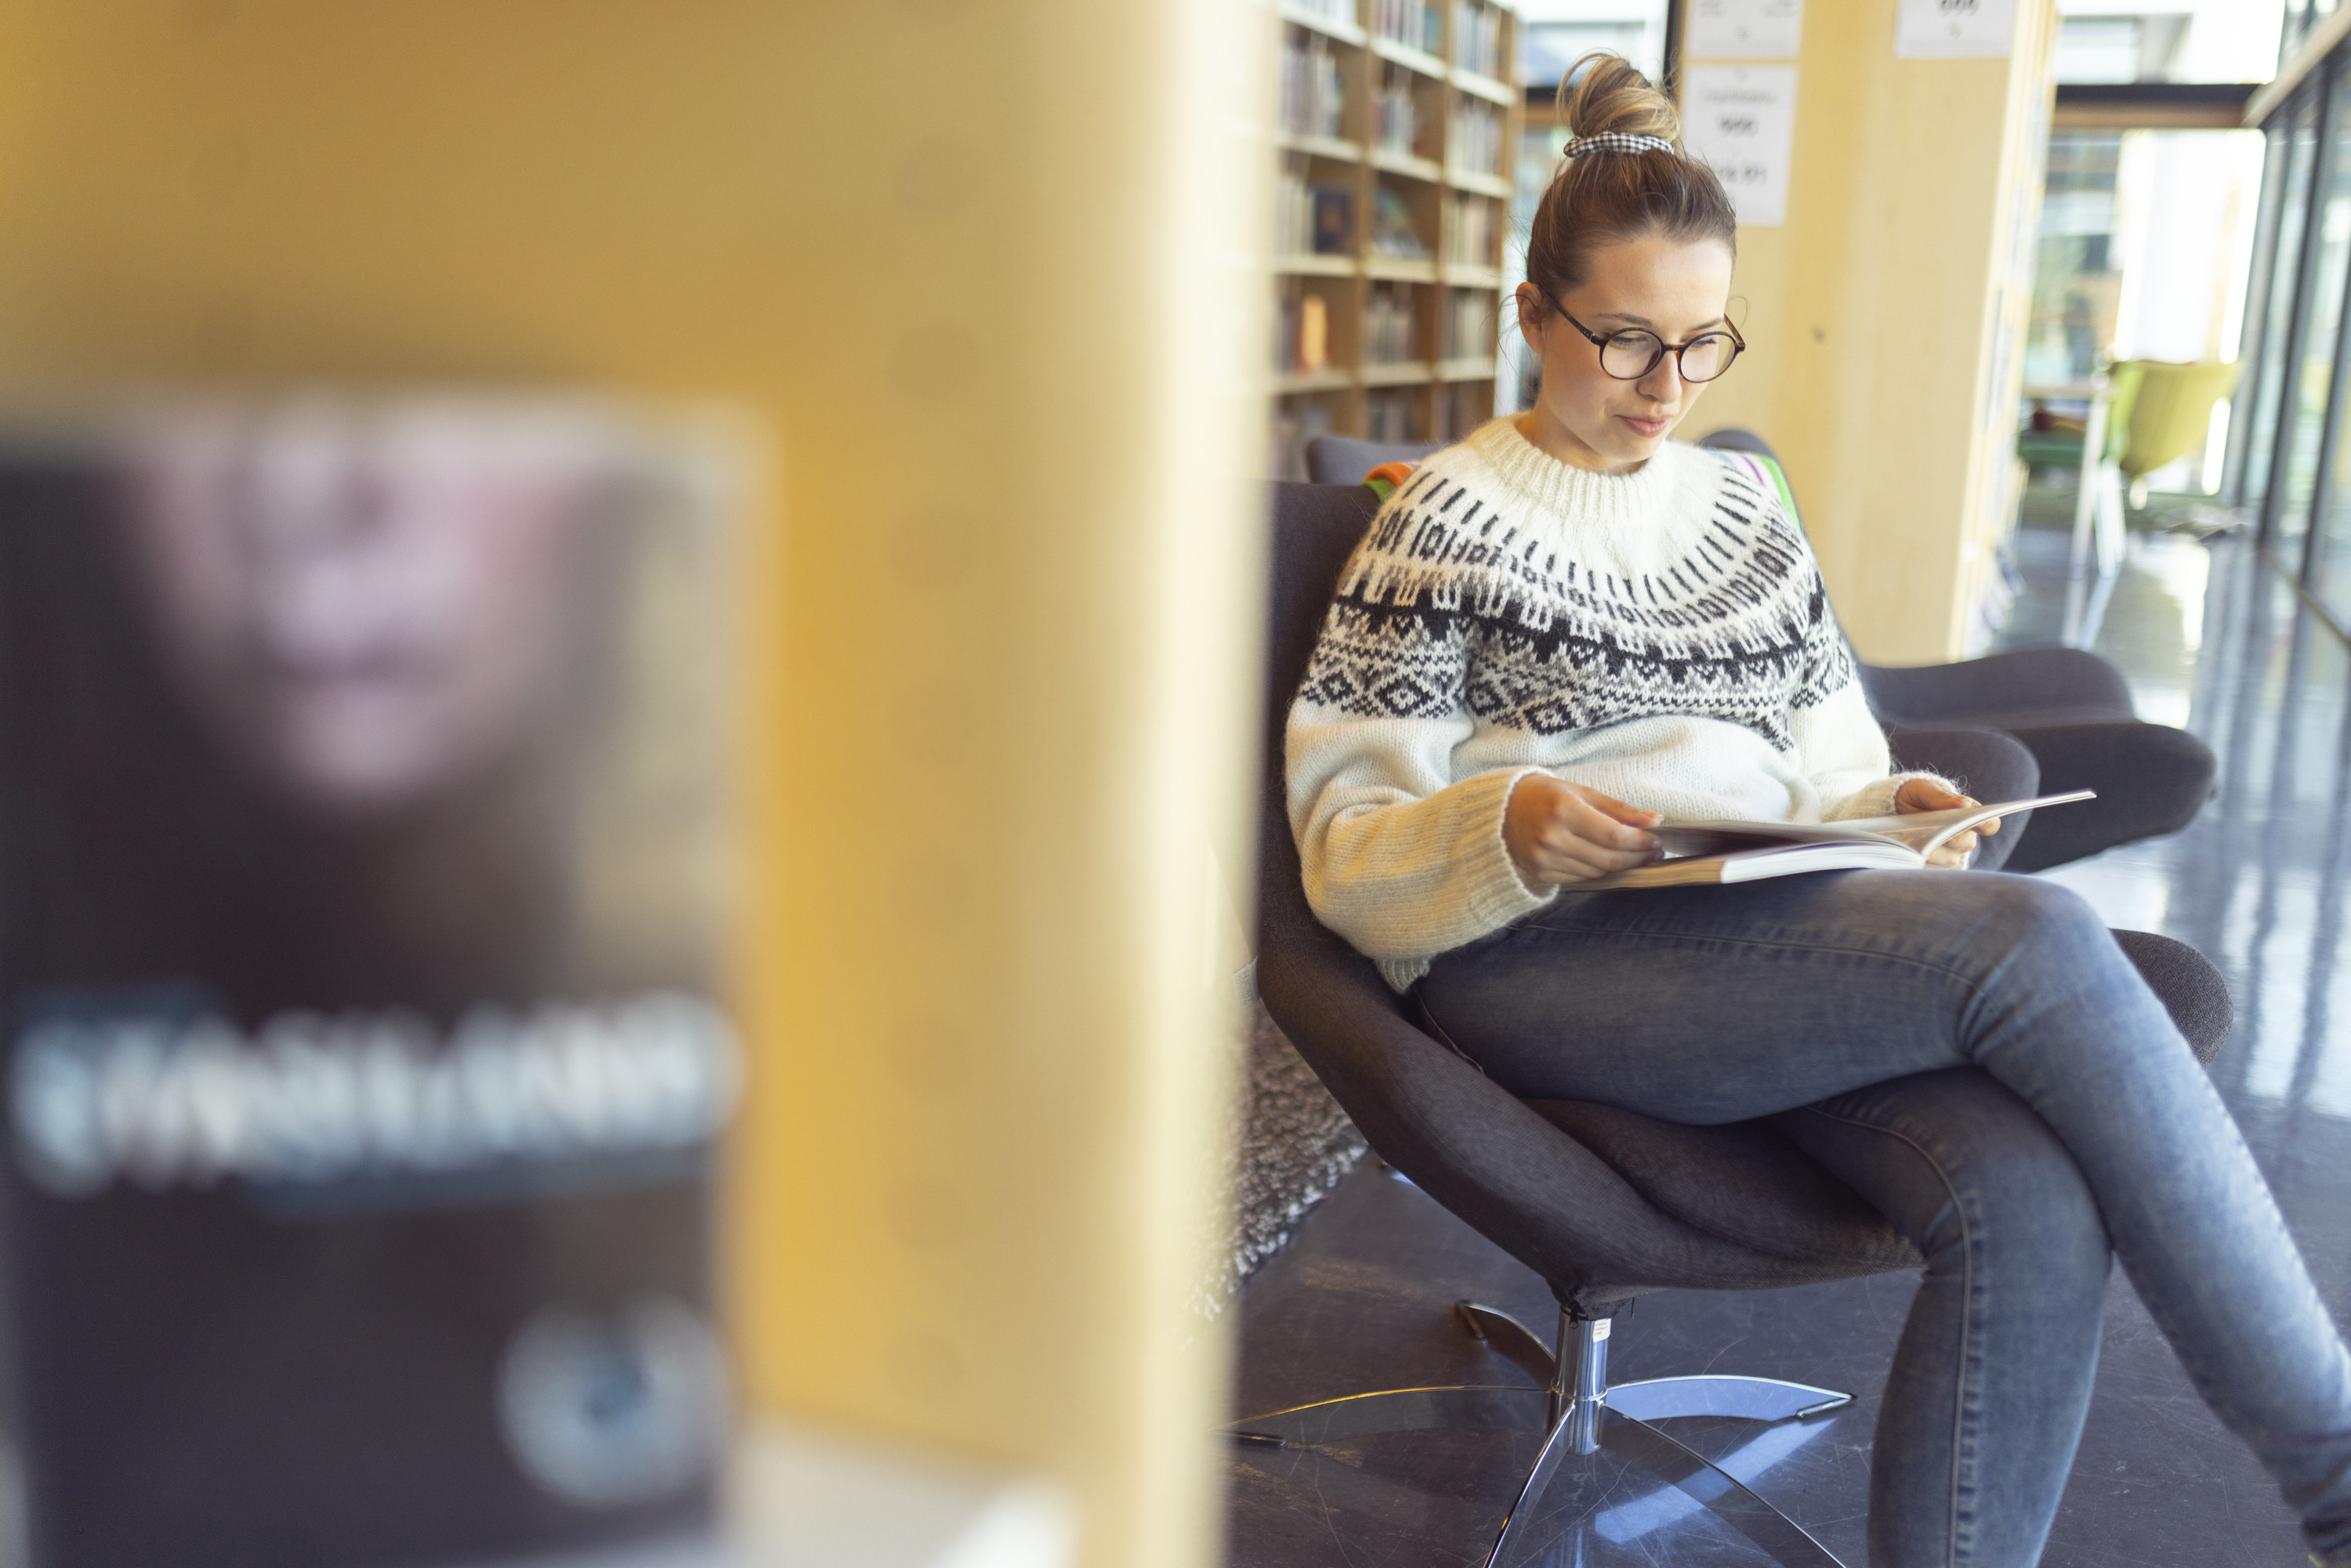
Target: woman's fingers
x,y
1565,858
1952,853
1582,815
1610,807
1921,795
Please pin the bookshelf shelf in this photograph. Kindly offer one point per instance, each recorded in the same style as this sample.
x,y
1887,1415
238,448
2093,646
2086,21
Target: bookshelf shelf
x,y
1328,26
1407,57
1396,153
1401,163
1329,147
1486,88
1296,382
1492,185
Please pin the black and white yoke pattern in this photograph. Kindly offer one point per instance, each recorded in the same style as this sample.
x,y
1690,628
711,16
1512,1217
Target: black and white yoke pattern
x,y
1661,636
1457,599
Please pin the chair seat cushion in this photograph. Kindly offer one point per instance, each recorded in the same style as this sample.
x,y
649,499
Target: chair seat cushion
x,y
1745,1182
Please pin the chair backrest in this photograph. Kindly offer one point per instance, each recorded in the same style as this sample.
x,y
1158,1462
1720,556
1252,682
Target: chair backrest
x,y
1315,528
1343,460
2170,414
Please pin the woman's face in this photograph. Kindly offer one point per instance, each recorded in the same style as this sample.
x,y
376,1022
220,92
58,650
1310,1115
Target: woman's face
x,y
1675,289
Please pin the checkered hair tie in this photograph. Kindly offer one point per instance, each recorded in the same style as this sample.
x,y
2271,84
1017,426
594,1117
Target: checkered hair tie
x,y
1616,142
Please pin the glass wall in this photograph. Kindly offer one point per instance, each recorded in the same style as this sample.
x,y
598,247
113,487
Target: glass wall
x,y
2293,459
2076,286
2310,365
2288,205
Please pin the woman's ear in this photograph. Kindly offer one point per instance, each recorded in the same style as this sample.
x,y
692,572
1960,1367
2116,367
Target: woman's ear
x,y
1533,315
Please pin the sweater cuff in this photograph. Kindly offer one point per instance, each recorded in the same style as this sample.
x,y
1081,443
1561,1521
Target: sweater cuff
x,y
1498,895
1876,798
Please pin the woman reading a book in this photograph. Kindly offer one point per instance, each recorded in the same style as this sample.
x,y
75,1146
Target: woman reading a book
x,y
1570,629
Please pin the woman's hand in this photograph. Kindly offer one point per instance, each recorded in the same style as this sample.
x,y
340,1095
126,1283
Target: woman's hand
x,y
1924,795
1559,833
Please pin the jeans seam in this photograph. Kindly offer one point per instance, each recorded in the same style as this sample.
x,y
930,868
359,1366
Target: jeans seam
x,y
1967,1306
1783,945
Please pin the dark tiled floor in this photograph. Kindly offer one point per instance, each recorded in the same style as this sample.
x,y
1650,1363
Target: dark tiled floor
x,y
1359,1301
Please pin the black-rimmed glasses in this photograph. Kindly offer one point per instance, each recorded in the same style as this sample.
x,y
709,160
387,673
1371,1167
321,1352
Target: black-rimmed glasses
x,y
1632,352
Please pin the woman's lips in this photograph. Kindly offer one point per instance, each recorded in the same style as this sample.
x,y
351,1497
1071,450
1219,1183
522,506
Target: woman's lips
x,y
1645,427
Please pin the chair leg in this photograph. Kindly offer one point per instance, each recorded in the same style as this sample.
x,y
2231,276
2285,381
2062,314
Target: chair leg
x,y
1586,1415
1578,1414
1750,1399
1789,1543
1509,1337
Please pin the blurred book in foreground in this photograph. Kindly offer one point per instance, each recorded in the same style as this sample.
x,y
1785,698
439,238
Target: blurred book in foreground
x,y
360,784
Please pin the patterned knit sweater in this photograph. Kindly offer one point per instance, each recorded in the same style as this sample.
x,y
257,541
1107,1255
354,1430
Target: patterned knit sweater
x,y
1662,636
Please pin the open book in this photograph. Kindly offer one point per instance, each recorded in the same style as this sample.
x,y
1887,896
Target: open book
x,y
1749,852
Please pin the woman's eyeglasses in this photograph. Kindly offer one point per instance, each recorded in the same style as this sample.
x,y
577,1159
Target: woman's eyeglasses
x,y
1631,353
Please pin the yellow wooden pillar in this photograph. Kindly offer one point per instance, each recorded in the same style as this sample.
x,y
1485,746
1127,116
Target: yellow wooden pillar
x,y
1887,313
974,271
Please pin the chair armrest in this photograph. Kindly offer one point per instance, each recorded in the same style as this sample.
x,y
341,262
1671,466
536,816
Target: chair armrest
x,y
2002,691
1987,764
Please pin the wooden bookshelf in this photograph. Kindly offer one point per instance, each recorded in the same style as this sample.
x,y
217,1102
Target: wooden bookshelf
x,y
1396,139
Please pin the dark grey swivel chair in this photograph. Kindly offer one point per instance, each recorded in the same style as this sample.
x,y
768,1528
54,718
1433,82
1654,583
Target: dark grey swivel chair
x,y
1605,1204
2068,709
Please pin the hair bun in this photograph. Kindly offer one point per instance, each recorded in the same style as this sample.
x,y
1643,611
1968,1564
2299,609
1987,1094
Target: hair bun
x,y
1604,95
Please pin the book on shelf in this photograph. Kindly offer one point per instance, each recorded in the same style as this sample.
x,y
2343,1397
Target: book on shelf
x,y
1389,335
1477,146
1334,220
1417,23
1296,422
1390,416
1715,852
1313,103
1469,236
1469,325
1396,128
1394,233
1478,38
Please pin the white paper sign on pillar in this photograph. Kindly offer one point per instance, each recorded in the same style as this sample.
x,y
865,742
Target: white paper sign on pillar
x,y
1743,120
1744,29
1954,29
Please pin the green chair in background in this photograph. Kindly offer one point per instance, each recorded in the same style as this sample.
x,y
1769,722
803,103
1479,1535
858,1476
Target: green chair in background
x,y
2153,413
2168,414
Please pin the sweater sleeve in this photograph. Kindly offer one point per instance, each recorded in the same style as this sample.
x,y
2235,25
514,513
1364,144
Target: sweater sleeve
x,y
1400,859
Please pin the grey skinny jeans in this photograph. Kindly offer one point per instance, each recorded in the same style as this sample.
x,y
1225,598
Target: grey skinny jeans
x,y
1974,1055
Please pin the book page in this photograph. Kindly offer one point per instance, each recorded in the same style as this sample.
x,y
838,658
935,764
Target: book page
x,y
1927,831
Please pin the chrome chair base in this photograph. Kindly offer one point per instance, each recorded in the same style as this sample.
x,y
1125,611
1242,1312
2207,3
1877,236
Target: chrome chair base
x,y
1578,1414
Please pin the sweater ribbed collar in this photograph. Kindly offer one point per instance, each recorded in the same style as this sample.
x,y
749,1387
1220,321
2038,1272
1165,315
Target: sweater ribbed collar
x,y
1581,494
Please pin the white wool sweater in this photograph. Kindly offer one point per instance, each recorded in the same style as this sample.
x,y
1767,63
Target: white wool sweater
x,y
1662,636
